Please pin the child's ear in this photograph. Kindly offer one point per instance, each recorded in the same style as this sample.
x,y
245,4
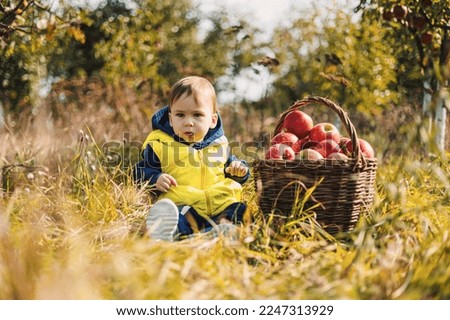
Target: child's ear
x,y
215,118
170,119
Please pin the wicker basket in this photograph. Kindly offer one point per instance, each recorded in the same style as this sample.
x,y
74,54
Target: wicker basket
x,y
341,189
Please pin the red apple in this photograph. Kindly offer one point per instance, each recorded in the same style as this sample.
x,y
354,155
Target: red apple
x,y
308,154
286,138
426,38
343,141
298,123
366,149
280,152
400,12
324,131
343,145
388,15
327,147
337,156
299,144
310,144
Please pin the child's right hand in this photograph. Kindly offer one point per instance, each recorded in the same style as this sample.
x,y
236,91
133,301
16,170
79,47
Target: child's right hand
x,y
164,182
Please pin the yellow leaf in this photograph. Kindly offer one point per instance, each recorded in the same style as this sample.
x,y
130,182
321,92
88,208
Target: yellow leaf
x,y
77,34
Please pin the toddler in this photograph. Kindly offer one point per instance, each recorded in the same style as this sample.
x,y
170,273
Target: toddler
x,y
187,158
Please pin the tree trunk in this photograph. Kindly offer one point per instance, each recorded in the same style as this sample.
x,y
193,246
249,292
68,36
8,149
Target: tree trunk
x,y
441,104
440,122
2,120
443,99
427,100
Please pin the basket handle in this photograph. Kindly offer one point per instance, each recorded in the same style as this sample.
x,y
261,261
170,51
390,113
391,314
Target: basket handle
x,y
356,152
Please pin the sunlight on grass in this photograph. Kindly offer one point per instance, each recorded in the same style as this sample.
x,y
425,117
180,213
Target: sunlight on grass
x,y
78,234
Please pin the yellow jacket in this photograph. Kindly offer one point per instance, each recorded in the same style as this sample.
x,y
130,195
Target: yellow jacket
x,y
199,173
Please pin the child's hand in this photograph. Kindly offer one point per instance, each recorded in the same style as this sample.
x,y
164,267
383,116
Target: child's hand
x,y
237,168
164,182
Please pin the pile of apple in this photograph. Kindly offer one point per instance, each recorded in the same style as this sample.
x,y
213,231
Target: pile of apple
x,y
299,138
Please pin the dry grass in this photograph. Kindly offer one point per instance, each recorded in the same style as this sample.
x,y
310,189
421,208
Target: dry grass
x,y
71,228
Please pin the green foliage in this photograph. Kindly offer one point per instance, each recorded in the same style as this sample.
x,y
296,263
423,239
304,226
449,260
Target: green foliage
x,y
420,36
421,39
25,47
160,43
14,85
72,58
347,61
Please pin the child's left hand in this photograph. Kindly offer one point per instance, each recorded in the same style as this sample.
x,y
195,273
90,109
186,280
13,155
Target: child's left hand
x,y
237,168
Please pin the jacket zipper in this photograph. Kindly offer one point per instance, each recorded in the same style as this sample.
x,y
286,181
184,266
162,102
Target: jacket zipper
x,y
203,170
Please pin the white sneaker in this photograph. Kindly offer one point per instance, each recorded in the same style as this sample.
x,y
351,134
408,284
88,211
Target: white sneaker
x,y
162,220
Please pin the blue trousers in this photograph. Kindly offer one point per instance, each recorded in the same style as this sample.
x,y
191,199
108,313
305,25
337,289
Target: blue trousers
x,y
192,222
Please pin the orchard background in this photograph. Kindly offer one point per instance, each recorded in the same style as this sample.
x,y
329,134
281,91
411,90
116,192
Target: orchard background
x,y
78,85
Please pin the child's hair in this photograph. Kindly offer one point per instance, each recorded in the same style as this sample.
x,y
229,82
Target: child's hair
x,y
195,86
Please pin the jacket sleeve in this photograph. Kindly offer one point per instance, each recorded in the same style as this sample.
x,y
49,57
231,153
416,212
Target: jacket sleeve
x,y
241,180
149,169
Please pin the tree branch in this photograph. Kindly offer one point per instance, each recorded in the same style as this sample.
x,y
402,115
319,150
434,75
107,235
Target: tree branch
x,y
40,5
7,19
442,26
20,7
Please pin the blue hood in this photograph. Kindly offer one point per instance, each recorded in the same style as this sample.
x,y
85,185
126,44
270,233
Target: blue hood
x,y
160,121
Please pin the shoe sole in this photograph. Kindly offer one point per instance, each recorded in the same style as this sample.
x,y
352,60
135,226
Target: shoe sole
x,y
162,220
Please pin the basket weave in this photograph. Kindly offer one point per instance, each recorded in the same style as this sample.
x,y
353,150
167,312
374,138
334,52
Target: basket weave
x,y
343,188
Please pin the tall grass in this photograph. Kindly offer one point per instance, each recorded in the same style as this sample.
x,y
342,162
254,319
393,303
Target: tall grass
x,y
72,227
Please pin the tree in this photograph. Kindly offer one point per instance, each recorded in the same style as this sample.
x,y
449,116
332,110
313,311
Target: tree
x,y
71,58
160,43
421,31
13,16
343,59
26,30
14,83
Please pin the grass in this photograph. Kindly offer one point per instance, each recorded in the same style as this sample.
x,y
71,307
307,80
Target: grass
x,y
71,227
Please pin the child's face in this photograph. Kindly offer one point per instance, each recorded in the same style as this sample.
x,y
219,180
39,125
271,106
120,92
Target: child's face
x,y
191,121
